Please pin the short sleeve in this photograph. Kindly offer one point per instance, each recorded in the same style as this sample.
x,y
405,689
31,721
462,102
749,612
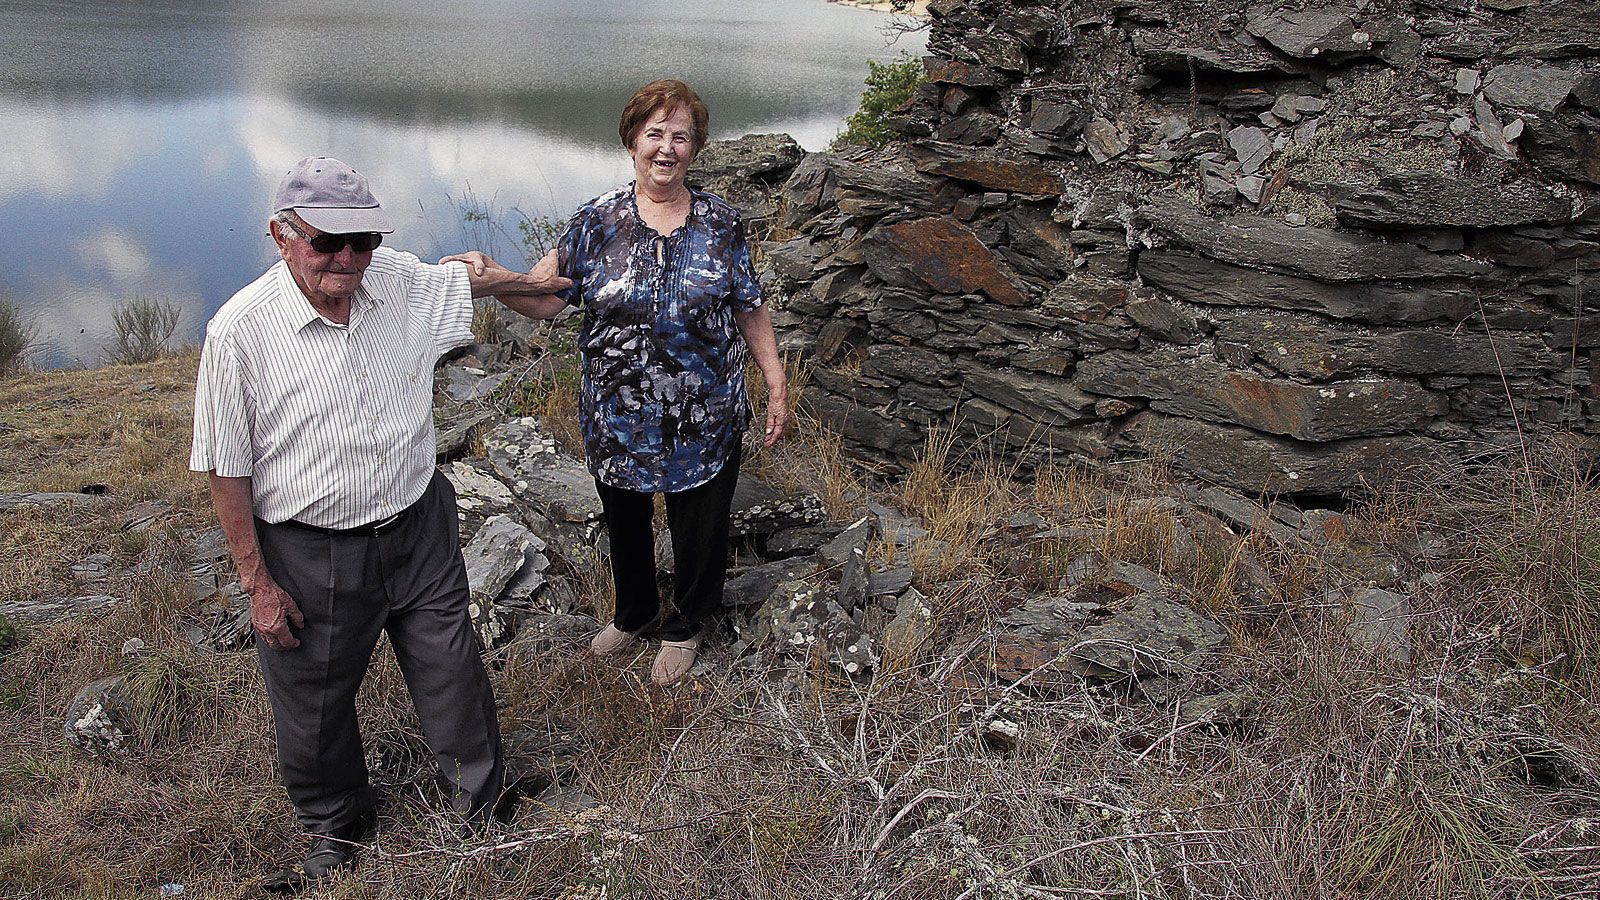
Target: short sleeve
x,y
746,289
222,418
572,260
446,293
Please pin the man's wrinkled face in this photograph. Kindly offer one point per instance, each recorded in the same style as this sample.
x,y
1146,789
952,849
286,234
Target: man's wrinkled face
x,y
326,278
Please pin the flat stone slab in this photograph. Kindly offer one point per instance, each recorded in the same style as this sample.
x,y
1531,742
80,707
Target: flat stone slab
x,y
942,254
1318,253
1197,386
19,500
527,458
1150,634
800,617
43,610
1256,463
1423,200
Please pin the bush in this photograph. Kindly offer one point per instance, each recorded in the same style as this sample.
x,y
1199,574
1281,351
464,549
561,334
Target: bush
x,y
889,85
15,337
143,325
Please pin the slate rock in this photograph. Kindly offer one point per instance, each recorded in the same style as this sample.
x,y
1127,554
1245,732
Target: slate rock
x,y
1567,146
1251,146
1542,88
1307,33
47,500
758,508
1150,633
966,74
528,583
1200,387
912,624
493,555
1255,463
803,540
1040,398
1051,617
801,617
865,427
987,169
142,516
1379,620
464,384
938,253
455,432
904,532
99,719
478,490
1307,347
855,580
222,622
1237,510
767,157
752,586
527,458
1567,28
1425,200
42,610
850,542
93,567
1166,55
1318,253
1105,140
889,582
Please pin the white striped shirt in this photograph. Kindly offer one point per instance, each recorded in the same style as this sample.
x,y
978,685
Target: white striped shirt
x,y
333,423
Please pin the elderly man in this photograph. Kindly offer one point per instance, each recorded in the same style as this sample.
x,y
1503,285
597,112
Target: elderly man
x,y
313,418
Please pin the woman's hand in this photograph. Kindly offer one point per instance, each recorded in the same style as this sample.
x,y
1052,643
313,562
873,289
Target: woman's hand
x,y
777,413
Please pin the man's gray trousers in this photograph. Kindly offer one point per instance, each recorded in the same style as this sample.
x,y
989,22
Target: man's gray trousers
x,y
407,580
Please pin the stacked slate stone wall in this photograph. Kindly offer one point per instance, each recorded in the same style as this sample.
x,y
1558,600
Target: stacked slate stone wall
x,y
1291,244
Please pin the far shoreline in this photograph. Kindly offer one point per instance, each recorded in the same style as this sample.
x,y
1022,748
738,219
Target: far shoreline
x,y
918,8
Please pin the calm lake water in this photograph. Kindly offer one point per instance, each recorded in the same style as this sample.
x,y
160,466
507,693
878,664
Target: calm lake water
x,y
142,138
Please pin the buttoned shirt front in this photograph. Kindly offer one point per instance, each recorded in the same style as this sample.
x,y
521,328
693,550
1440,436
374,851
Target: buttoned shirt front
x,y
333,423
663,400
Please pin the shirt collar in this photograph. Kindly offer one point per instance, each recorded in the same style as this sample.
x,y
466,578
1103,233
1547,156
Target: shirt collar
x,y
298,312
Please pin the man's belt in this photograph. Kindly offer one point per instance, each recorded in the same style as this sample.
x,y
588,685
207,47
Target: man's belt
x,y
371,529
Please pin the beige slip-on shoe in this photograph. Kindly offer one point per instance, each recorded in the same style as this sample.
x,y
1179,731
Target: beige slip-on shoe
x,y
674,661
612,642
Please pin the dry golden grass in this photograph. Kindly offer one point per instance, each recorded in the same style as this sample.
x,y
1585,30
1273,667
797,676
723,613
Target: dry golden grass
x,y
1471,771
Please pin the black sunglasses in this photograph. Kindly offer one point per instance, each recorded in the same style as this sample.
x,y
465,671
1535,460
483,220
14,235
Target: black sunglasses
x,y
360,242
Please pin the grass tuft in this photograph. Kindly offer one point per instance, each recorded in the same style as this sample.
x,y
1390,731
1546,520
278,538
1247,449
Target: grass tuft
x,y
143,327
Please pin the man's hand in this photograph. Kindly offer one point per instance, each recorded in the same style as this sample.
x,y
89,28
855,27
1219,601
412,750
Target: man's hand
x,y
272,611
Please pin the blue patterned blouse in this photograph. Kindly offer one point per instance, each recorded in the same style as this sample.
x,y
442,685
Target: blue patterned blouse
x,y
663,403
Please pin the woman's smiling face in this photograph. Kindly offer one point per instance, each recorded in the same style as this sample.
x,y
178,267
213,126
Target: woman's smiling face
x,y
663,148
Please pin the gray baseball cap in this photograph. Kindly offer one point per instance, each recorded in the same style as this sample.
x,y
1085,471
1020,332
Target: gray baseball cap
x,y
330,197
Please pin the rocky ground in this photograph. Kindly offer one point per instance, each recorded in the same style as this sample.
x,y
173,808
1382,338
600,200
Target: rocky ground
x,y
955,684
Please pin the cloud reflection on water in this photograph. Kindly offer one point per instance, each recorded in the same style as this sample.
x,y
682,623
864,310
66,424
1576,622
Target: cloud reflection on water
x,y
144,138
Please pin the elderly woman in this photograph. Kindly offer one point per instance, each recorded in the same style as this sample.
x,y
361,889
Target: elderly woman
x,y
671,309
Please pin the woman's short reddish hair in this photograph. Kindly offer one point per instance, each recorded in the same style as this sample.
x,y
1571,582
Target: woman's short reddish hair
x,y
664,95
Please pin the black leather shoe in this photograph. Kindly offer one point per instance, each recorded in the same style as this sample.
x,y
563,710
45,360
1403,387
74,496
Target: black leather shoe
x,y
330,851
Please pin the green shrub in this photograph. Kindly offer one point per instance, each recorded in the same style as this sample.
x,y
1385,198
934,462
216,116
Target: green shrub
x,y
889,85
143,326
15,337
